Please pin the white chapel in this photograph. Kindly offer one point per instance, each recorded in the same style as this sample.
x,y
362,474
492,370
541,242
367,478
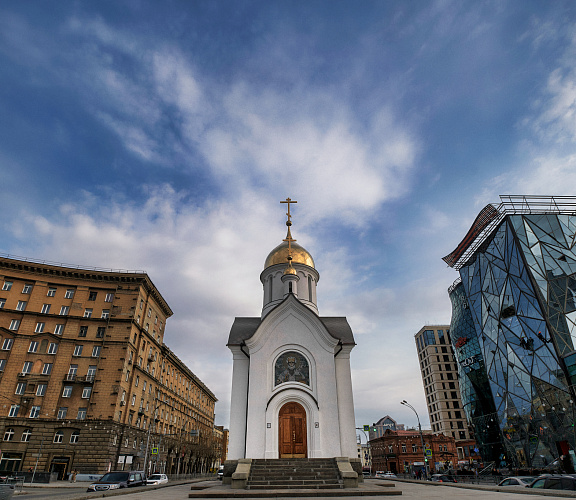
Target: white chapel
x,y
291,384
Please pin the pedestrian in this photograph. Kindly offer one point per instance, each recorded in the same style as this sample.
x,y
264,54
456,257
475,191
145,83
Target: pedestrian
x,y
74,474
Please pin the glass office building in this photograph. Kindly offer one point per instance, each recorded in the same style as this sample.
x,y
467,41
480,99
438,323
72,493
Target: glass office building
x,y
513,326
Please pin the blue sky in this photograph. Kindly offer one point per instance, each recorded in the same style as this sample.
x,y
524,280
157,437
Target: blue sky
x,y
162,135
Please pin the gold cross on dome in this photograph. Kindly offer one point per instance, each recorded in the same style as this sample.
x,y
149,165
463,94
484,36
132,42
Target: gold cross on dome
x,y
288,201
289,238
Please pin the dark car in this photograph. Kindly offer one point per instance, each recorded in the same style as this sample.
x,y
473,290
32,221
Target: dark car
x,y
118,479
554,482
442,478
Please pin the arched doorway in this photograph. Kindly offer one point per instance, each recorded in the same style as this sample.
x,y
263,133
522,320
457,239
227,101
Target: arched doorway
x,y
292,431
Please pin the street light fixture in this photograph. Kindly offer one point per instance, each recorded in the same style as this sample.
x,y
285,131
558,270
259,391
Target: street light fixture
x,y
405,403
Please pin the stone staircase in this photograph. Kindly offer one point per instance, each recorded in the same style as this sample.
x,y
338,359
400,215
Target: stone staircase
x,y
294,473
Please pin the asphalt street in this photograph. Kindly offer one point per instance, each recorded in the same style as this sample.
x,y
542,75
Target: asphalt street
x,y
410,491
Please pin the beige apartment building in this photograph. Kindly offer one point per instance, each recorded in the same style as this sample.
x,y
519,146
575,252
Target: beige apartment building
x,y
87,382
440,378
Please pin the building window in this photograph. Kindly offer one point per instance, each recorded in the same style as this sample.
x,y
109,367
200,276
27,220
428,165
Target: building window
x,y
78,350
2,303
149,311
47,369
59,329
100,332
27,368
51,292
7,344
33,346
41,389
109,297
14,409
26,435
27,288
8,286
414,448
83,331
96,351
74,437
69,293
59,436
92,295
127,375
81,413
91,372
14,325
87,313
105,313
20,388
86,392
21,306
45,308
9,434
133,399
2,364
137,381
34,412
52,348
39,327
67,391
72,371
64,310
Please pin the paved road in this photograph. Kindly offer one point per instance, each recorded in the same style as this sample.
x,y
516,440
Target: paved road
x,y
410,491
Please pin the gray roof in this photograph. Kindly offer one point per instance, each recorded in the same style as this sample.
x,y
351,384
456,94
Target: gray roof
x,y
243,328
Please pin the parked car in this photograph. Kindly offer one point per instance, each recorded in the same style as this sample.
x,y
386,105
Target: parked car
x,y
157,479
385,475
554,482
442,478
521,481
220,472
118,479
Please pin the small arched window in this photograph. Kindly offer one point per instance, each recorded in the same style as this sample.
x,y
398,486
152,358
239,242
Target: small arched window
x,y
26,435
9,434
310,288
59,437
74,437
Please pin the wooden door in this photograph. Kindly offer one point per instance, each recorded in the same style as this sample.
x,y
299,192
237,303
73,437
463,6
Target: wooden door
x,y
292,431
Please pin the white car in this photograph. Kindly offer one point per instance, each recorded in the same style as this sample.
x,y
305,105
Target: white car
x,y
157,479
521,481
385,475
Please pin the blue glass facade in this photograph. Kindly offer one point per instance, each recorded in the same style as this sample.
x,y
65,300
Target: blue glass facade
x,y
513,326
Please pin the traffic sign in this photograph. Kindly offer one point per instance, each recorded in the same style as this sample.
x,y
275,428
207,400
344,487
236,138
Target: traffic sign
x,y
154,451
428,452
366,428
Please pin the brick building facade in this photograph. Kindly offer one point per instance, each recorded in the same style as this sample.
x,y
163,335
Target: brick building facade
x,y
401,451
87,382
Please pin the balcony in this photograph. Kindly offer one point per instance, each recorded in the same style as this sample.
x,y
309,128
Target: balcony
x,y
72,377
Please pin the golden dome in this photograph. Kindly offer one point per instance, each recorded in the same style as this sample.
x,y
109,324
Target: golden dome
x,y
280,255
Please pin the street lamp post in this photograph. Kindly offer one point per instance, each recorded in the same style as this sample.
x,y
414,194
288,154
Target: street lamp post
x,y
368,447
405,403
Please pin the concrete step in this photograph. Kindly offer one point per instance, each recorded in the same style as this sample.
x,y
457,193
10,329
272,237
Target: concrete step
x,y
292,475
290,486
